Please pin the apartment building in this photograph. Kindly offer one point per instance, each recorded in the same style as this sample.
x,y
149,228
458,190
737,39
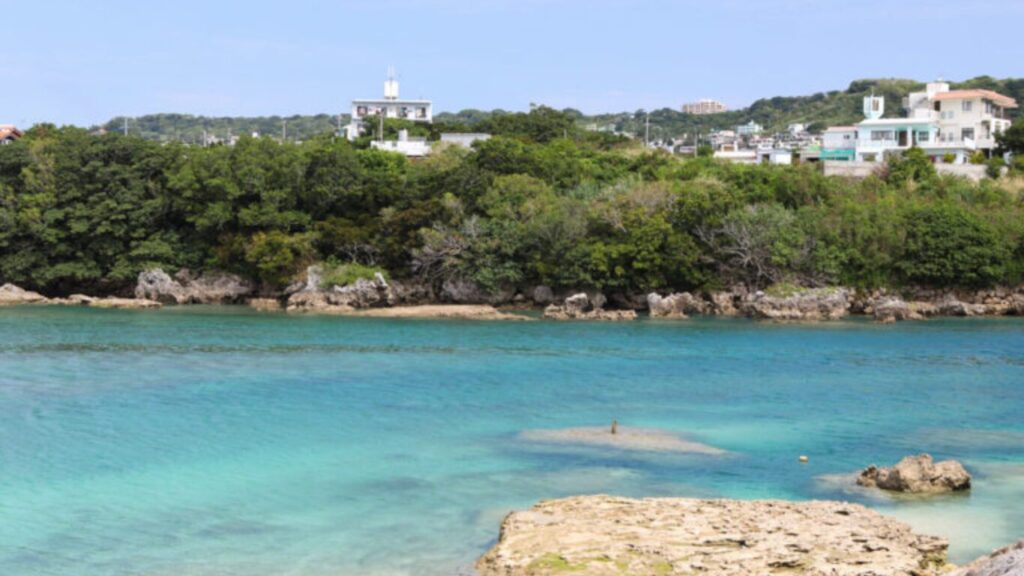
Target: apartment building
x,y
706,106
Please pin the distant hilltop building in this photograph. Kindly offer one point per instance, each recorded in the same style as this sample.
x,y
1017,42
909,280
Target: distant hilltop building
x,y
8,134
390,106
706,106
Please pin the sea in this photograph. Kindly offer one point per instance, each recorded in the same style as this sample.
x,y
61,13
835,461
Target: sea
x,y
223,441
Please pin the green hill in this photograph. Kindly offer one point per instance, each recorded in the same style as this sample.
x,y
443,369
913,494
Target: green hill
x,y
816,110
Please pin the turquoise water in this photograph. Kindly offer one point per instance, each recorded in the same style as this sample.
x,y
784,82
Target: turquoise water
x,y
225,442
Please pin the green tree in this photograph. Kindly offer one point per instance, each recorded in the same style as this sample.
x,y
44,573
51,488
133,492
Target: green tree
x,y
946,245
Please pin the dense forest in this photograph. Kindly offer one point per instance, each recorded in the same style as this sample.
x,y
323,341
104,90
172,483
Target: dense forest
x,y
817,111
541,203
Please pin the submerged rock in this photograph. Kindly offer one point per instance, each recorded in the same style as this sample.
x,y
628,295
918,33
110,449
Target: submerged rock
x,y
918,475
624,438
12,295
1008,561
605,535
124,303
585,307
445,311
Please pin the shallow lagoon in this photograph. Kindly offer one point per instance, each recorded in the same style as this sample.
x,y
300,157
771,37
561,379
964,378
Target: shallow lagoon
x,y
217,441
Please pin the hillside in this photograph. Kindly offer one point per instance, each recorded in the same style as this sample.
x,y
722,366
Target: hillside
x,y
816,110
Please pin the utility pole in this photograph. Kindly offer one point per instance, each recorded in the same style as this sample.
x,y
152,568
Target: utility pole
x,y
125,125
647,131
381,115
284,130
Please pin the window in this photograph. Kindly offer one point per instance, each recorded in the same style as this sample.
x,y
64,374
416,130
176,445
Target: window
x,y
967,105
923,136
881,135
967,133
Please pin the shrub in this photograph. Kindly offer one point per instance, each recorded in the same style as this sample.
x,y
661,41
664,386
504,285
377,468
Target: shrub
x,y
994,167
948,158
978,157
344,274
946,245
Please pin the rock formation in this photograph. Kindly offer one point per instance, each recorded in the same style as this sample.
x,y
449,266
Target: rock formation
x,y
805,304
265,304
605,535
11,295
212,288
678,305
1008,561
918,475
124,303
585,307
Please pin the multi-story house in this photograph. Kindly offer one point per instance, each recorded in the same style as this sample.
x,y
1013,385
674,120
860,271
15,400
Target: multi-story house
x,y
8,134
391,106
942,122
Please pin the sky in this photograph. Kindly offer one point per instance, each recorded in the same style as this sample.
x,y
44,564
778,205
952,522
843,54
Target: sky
x,y
75,62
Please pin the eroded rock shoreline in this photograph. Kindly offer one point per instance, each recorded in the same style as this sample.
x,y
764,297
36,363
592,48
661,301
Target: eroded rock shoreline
x,y
379,297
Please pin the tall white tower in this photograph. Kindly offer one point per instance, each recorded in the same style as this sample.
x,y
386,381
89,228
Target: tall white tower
x,y
874,107
391,85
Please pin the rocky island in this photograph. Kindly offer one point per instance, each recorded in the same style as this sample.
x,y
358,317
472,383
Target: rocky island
x,y
607,535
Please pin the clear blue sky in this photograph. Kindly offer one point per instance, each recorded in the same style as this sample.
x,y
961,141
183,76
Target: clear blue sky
x,y
69,61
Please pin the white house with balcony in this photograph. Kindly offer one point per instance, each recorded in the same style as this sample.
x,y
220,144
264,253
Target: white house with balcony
x,y
940,121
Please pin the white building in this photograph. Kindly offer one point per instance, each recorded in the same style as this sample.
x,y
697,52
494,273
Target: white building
x,y
749,129
942,122
390,106
412,147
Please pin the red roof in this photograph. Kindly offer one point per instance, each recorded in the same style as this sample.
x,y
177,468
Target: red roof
x,y
9,131
1004,101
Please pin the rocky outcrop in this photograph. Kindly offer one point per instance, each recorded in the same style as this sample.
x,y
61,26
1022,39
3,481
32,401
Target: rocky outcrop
x,y
211,288
124,303
361,294
679,305
605,535
542,295
585,307
460,291
888,309
11,295
1008,561
803,304
918,475
265,304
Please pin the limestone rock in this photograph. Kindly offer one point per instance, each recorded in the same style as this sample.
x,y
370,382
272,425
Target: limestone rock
x,y
678,305
265,304
1008,561
212,288
805,304
583,307
362,293
919,475
605,535
124,303
11,295
465,292
542,295
723,304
